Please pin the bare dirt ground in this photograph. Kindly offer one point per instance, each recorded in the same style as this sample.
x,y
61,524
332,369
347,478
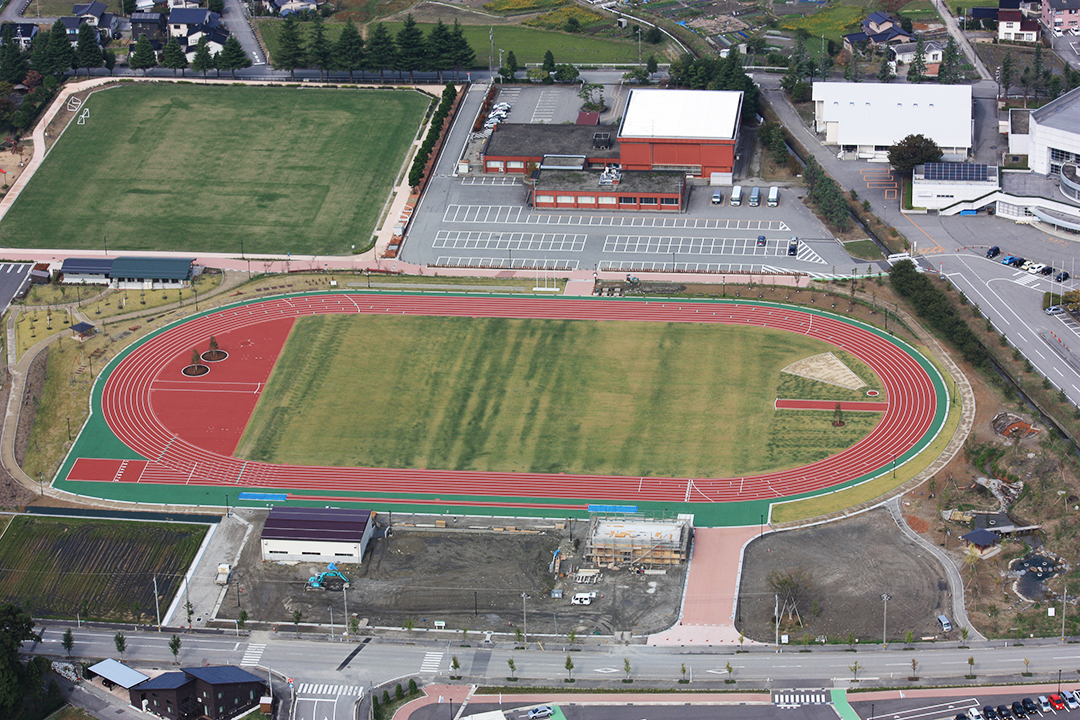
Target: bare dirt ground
x,y
469,577
852,562
35,386
12,493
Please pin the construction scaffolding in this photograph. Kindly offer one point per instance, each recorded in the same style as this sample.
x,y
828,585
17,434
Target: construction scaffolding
x,y
638,541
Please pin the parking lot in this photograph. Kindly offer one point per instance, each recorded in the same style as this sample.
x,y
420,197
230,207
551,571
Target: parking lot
x,y
971,707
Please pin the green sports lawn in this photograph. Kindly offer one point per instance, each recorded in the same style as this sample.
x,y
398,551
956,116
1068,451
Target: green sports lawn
x,y
544,396
201,168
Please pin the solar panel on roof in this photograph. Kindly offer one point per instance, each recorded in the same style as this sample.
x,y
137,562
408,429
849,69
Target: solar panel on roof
x,y
955,171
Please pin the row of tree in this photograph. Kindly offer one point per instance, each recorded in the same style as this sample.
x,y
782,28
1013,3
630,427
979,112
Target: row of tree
x,y
232,56
716,74
416,173
827,195
549,72
931,304
445,48
51,53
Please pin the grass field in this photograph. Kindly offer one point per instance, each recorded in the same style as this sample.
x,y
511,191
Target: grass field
x,y
540,396
528,44
100,569
833,23
202,169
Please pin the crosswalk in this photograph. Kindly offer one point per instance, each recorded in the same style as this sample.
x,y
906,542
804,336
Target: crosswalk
x,y
432,662
797,698
328,690
253,654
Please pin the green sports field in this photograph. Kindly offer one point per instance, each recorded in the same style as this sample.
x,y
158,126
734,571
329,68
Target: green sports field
x,y
200,169
622,398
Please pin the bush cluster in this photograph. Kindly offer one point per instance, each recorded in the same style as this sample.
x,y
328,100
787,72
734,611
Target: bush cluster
x,y
932,305
416,173
827,195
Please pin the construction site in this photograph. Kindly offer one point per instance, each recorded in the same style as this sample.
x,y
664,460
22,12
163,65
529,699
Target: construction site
x,y
638,543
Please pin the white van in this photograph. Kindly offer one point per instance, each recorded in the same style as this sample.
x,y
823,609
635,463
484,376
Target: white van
x,y
583,598
736,196
755,197
944,624
774,196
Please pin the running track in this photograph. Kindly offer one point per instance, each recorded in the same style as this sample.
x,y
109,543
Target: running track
x,y
907,415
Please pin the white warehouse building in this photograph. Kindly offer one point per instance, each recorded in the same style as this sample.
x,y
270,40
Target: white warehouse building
x,y
1054,134
864,119
317,534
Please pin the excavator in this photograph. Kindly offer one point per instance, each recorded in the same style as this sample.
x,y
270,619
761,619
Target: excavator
x,y
331,579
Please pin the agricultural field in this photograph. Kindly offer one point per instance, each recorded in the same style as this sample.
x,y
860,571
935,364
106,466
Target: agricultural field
x,y
833,22
215,169
544,396
518,7
558,18
528,44
98,569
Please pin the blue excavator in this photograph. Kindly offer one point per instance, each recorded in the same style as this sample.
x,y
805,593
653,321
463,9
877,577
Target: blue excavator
x,y
331,579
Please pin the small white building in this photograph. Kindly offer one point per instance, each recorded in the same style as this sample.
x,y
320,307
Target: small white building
x,y
1013,26
317,534
939,185
865,119
905,52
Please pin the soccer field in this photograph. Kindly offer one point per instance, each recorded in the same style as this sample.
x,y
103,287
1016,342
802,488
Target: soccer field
x,y
626,398
202,168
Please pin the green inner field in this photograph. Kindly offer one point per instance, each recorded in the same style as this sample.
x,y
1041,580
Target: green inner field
x,y
622,398
100,569
202,169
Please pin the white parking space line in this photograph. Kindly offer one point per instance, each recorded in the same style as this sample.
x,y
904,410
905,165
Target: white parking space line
x,y
540,242
457,261
512,215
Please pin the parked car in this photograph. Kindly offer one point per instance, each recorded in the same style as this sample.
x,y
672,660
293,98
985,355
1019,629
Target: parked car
x,y
1047,270
1018,710
1029,706
1054,310
990,712
1070,699
993,252
974,714
1018,262
543,711
1007,260
1062,276
793,247
1027,265
1003,712
1044,704
761,241
1056,702
501,106
1036,268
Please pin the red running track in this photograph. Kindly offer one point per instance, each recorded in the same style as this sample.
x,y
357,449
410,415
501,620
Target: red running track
x,y
127,406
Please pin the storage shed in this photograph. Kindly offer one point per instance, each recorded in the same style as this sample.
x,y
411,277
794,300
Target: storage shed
x,y
150,273
86,271
317,534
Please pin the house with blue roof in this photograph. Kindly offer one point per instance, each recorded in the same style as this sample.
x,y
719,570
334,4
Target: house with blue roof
x,y
218,692
878,30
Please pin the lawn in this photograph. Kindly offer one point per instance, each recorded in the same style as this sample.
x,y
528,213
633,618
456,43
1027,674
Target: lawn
x,y
100,569
528,44
59,8
833,23
542,396
217,169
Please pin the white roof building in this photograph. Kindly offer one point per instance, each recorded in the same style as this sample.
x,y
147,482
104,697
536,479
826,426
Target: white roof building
x,y
1054,132
866,118
690,114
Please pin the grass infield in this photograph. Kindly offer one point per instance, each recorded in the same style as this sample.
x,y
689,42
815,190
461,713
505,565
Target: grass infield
x,y
100,569
552,396
204,169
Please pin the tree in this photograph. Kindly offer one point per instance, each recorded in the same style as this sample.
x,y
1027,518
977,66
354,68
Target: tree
x,y
569,665
971,667
905,24
853,69
794,586
189,609
682,670
566,73
203,61
537,74
296,615
884,73
409,625
455,665
109,60
572,25
730,670
174,648
756,46
440,49
319,50
348,51
61,56
911,151
195,358
290,54
142,57
519,636
917,70
964,634
1027,667
1007,70
855,671
914,670
120,642
513,668
461,52
381,51
217,6
39,53
909,637
173,56
68,642
410,47
627,668
653,36
651,65
13,63
549,62
950,71
232,56
16,627
511,64
572,637
241,619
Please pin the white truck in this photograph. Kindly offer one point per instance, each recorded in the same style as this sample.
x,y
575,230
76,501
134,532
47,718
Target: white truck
x,y
223,572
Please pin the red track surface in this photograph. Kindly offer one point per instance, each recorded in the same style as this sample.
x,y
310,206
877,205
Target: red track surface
x,y
130,412
861,405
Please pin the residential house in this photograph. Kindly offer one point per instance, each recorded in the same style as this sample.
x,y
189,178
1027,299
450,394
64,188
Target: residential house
x,y
173,4
184,21
292,7
905,52
214,692
93,13
72,24
150,24
1060,15
215,41
24,33
878,30
1013,26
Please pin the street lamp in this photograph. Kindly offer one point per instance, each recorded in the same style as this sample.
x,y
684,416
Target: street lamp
x,y
345,597
331,609
524,619
885,617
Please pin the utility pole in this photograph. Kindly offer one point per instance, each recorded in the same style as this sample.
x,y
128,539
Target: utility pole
x,y
885,617
1064,597
776,619
524,619
157,609
345,597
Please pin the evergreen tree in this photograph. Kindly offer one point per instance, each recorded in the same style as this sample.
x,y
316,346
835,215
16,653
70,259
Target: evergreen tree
x,y
410,47
1006,74
319,52
1038,75
108,59
949,73
217,6
202,61
439,49
461,52
13,65
549,62
290,54
917,70
232,56
651,66
61,56
853,70
512,63
348,52
381,53
142,56
39,53
87,50
884,73
173,56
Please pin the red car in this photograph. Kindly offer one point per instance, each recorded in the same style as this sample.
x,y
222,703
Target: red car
x,y
1056,702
